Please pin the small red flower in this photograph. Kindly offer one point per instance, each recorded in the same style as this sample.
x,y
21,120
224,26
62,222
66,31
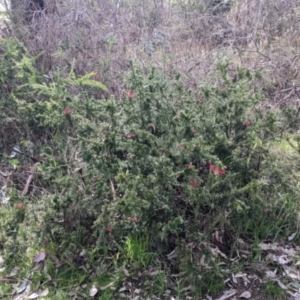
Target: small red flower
x,y
108,229
194,131
130,135
217,170
181,145
194,183
212,168
130,94
190,166
133,219
178,116
246,123
67,111
20,205
220,171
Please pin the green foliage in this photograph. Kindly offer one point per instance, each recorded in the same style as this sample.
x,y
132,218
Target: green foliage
x,y
164,158
144,174
136,250
158,160
274,290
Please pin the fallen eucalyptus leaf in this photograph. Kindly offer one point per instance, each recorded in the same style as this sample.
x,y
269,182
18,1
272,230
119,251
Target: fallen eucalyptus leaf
x,y
246,295
291,272
295,285
172,254
227,294
292,236
271,274
44,292
78,170
33,296
13,272
1,261
22,287
37,267
93,291
40,257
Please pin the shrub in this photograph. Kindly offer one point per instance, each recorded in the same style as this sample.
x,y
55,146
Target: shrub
x,y
158,161
149,170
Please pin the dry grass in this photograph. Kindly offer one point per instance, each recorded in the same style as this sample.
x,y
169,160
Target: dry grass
x,y
103,37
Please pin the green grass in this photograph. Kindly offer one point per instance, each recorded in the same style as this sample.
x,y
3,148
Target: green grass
x,y
137,251
272,289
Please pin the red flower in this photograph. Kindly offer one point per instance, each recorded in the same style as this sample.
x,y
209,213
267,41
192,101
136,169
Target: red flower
x,y
220,171
20,205
67,111
246,123
178,116
181,145
194,183
194,131
212,168
190,166
130,135
108,229
133,219
217,170
130,94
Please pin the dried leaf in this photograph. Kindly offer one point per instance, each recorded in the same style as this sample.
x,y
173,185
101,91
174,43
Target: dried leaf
x,y
78,170
114,194
292,236
22,287
13,272
30,178
37,267
93,291
282,259
271,274
296,285
295,295
1,261
227,295
246,295
44,293
292,273
33,296
237,275
40,257
234,280
172,254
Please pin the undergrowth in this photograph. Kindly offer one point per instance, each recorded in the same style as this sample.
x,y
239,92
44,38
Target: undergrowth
x,y
147,185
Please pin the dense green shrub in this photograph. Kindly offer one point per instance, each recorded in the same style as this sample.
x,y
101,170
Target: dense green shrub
x,y
158,162
138,176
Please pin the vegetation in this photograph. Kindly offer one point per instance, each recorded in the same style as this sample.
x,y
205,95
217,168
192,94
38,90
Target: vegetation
x,y
149,157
